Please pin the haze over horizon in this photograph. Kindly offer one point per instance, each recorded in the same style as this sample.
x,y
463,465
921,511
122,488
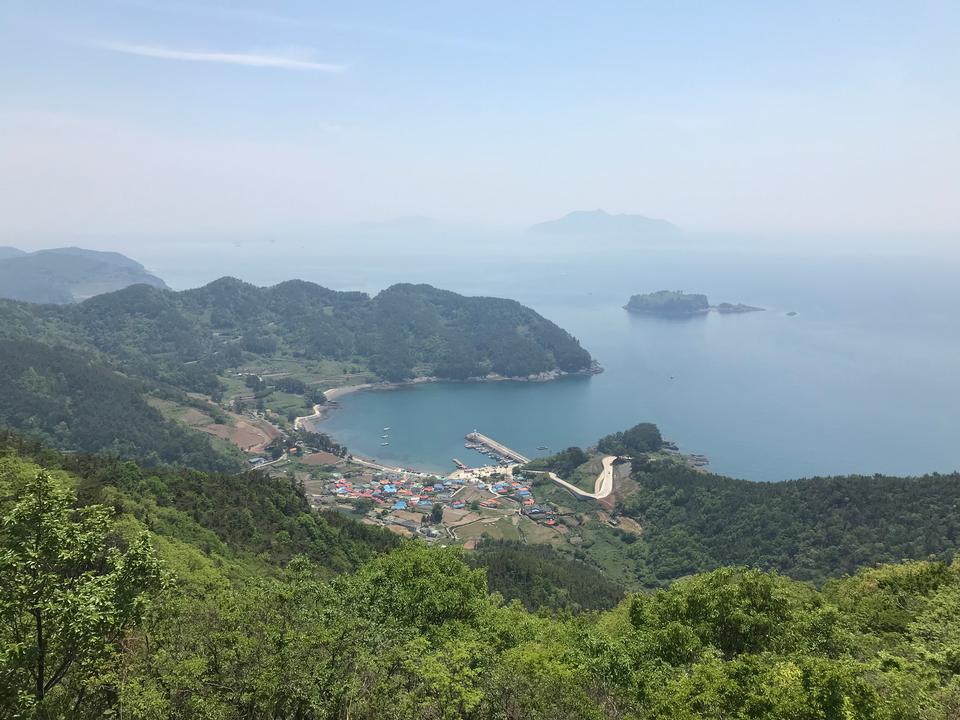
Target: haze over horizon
x,y
141,119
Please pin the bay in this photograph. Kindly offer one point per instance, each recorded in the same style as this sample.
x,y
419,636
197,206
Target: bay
x,y
864,379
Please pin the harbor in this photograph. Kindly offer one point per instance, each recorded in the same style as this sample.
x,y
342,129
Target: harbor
x,y
494,449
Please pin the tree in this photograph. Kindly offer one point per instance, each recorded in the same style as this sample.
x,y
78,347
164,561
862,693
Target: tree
x,y
68,593
639,439
363,505
436,513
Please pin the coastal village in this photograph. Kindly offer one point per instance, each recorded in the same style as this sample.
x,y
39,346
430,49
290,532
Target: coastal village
x,y
495,500
459,508
500,499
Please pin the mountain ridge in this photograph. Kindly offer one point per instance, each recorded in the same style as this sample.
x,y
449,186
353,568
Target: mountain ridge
x,y
172,344
600,222
68,274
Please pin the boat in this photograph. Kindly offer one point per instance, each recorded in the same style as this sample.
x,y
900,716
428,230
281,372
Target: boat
x,y
543,447
384,437
384,444
386,429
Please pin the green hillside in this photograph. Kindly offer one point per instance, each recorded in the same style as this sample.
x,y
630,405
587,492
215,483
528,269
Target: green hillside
x,y
77,375
75,402
406,330
689,521
184,595
810,529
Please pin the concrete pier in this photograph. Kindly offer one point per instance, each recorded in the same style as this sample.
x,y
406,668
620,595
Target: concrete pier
x,y
499,448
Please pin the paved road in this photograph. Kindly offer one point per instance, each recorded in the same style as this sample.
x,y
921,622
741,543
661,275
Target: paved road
x,y
602,488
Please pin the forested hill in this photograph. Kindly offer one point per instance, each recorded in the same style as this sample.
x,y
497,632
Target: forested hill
x,y
404,331
78,375
174,594
74,402
690,521
811,529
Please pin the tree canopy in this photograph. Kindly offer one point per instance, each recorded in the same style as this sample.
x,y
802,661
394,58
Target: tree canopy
x,y
403,630
641,438
810,529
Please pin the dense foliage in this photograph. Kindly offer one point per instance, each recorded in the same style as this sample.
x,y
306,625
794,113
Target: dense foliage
x,y
539,577
248,516
185,338
68,593
75,402
414,633
562,463
77,374
810,529
669,302
640,439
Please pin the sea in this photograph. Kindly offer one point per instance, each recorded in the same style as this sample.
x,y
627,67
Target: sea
x,y
854,366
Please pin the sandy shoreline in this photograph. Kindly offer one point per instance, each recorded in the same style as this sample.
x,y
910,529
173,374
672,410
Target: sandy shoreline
x,y
332,395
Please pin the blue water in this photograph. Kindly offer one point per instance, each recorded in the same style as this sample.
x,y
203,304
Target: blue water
x,y
865,378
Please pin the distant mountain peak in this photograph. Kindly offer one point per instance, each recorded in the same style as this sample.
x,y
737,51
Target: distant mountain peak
x,y
599,222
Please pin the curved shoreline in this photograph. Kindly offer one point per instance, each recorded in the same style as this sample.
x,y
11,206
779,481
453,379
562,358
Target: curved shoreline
x,y
333,395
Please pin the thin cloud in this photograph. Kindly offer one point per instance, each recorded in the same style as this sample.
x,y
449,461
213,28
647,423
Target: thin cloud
x,y
257,59
409,34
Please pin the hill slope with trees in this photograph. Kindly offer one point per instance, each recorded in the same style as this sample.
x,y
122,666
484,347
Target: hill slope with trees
x,y
810,529
401,332
75,402
78,374
127,589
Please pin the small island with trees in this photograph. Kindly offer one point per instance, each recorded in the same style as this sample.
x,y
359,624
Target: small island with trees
x,y
674,303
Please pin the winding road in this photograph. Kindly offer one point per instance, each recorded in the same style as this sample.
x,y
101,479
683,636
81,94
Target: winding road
x,y
603,487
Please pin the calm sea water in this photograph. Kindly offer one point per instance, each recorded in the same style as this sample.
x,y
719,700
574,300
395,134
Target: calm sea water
x,y
864,379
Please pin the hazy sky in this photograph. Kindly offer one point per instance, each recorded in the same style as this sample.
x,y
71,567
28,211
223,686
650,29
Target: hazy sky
x,y
149,117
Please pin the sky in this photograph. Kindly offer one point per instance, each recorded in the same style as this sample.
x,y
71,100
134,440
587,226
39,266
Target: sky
x,y
145,118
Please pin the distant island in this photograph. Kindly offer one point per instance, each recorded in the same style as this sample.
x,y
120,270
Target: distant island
x,y
673,303
600,223
68,275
